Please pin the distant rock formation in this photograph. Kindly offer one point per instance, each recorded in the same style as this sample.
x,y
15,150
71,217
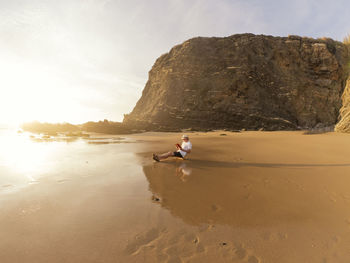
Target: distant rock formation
x,y
49,128
244,81
105,126
52,129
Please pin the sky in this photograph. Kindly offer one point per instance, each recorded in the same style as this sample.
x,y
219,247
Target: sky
x,y
87,60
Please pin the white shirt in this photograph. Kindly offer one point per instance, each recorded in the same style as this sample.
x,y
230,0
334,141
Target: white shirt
x,y
186,146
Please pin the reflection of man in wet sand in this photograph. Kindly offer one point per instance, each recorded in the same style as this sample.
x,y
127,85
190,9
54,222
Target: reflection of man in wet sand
x,y
181,152
183,172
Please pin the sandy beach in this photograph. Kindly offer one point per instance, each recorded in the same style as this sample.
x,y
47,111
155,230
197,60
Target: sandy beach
x,y
238,197
96,94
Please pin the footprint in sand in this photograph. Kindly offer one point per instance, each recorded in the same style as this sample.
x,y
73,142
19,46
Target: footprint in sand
x,y
200,248
283,236
181,246
268,236
30,209
206,227
61,181
210,227
172,253
253,259
190,237
248,196
336,239
215,208
155,198
242,253
143,240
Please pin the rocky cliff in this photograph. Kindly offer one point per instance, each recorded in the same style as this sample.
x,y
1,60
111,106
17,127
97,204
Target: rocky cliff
x,y
244,81
344,123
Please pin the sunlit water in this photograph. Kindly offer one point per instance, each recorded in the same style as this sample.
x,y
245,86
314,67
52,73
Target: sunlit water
x,y
27,159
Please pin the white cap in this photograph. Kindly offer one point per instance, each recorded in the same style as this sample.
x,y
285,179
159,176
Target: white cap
x,y
184,136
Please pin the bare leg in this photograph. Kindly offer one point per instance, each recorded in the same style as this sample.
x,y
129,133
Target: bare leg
x,y
165,155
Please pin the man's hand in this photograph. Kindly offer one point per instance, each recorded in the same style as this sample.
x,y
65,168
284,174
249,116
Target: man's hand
x,y
178,146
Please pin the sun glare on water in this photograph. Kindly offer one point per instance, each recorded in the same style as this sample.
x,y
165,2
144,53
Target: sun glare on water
x,y
23,156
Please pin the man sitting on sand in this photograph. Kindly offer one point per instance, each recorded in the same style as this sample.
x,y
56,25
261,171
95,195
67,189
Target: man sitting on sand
x,y
181,152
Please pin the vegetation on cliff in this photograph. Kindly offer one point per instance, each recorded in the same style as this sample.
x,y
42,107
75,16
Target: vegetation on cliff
x,y
344,114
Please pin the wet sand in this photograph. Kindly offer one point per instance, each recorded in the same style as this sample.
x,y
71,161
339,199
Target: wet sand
x,y
239,197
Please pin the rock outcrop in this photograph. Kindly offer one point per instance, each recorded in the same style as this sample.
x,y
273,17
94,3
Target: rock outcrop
x,y
344,123
244,81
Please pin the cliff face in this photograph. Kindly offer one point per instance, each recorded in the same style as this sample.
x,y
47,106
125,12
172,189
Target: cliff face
x,y
344,123
244,81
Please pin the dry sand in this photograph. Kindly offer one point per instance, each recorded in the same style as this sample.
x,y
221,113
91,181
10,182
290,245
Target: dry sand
x,y
240,197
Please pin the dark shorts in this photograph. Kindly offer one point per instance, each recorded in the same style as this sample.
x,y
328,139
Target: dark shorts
x,y
178,154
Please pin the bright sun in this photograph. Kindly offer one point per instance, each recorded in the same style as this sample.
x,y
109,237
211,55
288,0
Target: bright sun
x,y
30,92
